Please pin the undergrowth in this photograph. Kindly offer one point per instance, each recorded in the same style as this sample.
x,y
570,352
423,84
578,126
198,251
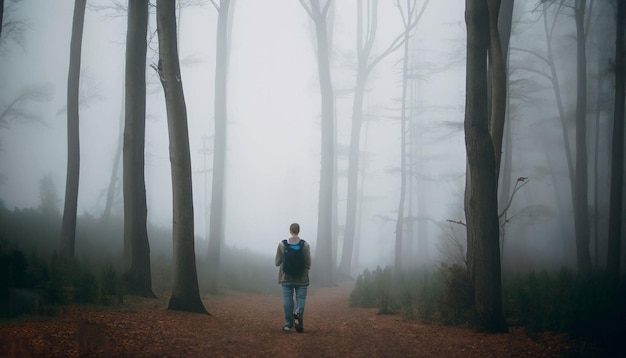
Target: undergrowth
x,y
37,281
33,285
589,307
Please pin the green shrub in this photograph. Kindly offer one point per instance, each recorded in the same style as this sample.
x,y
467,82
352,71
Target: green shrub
x,y
85,287
412,292
35,286
363,294
457,295
588,306
373,289
111,286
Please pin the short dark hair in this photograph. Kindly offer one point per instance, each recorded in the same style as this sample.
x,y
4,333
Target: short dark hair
x,y
295,228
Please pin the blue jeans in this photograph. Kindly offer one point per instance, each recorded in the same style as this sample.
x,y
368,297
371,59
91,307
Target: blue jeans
x,y
288,292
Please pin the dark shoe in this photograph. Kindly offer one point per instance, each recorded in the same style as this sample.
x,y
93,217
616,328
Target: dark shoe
x,y
298,323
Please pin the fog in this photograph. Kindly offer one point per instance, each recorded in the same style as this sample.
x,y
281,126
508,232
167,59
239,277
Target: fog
x,y
273,143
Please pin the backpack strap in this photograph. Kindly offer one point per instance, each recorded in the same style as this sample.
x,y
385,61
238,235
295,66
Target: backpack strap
x,y
286,243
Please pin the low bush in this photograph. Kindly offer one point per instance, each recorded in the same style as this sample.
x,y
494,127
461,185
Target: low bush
x,y
33,285
408,292
374,289
589,306
457,295
582,305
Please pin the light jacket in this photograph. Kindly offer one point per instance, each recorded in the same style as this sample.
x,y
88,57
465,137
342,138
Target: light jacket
x,y
285,278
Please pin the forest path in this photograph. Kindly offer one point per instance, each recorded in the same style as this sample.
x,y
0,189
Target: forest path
x,y
244,325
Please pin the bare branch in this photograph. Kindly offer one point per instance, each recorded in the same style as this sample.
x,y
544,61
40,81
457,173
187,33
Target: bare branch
x,y
326,7
547,62
18,108
535,71
308,9
399,40
518,186
456,222
112,9
13,29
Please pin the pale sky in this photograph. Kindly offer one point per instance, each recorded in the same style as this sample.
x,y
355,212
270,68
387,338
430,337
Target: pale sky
x,y
273,109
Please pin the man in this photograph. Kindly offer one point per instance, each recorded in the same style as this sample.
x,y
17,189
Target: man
x,y
294,258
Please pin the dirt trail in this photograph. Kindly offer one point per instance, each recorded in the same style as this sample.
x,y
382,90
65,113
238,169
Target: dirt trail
x,y
243,325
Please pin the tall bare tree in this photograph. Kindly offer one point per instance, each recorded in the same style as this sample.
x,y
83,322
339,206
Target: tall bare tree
x,y
112,189
185,292
581,205
216,220
505,25
617,151
481,205
324,252
409,21
576,158
68,226
367,26
136,244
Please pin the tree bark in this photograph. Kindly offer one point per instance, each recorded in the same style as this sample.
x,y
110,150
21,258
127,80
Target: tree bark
x,y
1,15
617,150
497,59
216,220
136,244
481,202
505,23
185,293
68,226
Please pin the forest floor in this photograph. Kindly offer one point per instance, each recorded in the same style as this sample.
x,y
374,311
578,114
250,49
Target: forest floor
x,y
245,325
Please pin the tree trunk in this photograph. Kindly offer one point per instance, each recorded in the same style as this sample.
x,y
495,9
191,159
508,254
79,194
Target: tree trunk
x,y
111,189
136,245
398,262
617,150
185,293
68,227
505,24
497,59
324,253
363,52
216,220
1,15
581,207
353,177
481,202
548,29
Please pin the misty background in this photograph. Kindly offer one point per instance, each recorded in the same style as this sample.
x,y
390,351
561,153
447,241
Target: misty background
x,y
273,144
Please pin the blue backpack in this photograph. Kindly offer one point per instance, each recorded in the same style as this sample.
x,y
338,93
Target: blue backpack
x,y
293,260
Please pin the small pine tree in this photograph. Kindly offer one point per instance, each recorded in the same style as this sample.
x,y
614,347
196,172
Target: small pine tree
x,y
49,196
